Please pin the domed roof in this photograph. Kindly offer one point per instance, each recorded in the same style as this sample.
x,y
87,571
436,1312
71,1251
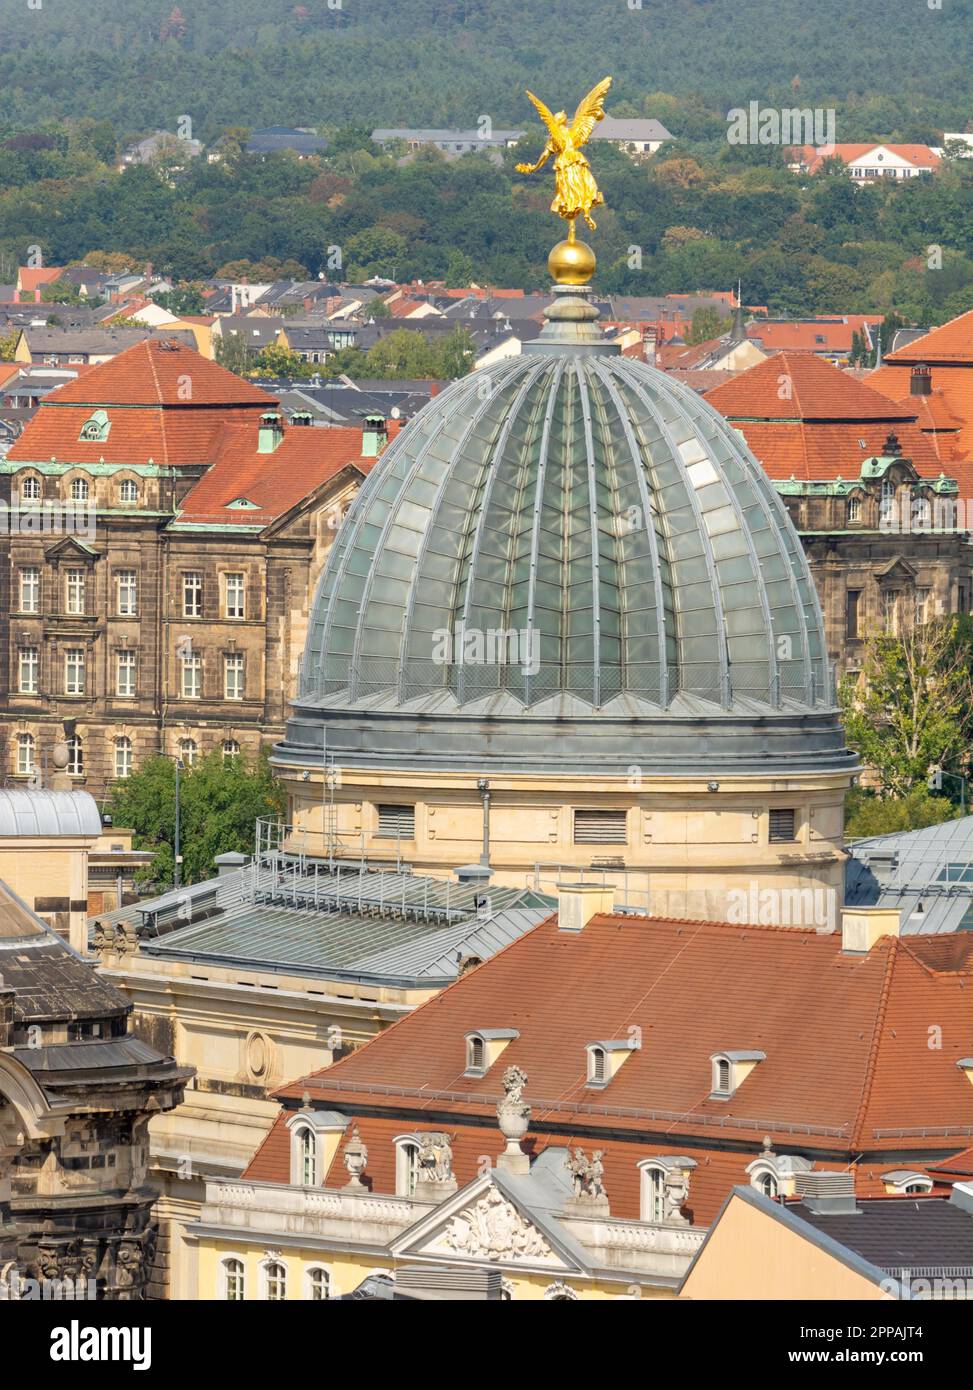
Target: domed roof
x,y
568,535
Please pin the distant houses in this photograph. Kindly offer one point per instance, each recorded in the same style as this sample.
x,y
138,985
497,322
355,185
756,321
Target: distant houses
x,y
868,161
275,138
634,136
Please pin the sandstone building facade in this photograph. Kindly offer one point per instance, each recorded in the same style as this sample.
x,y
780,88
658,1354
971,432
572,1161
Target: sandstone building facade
x,y
166,532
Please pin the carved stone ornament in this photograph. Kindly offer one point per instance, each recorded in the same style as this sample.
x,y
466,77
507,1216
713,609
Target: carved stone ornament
x,y
356,1157
435,1158
494,1229
587,1175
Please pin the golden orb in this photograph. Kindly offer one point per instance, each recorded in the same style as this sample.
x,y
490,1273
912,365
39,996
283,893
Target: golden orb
x,y
571,263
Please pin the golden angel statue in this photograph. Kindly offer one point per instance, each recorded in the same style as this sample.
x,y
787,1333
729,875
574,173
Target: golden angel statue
x,y
576,190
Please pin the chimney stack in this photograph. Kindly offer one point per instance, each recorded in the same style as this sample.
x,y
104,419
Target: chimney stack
x,y
863,927
270,433
920,380
374,436
577,903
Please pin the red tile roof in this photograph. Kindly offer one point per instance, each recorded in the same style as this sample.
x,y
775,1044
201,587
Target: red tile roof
x,y
157,372
306,458
847,1064
802,335
952,343
166,405
804,418
31,278
813,156
948,352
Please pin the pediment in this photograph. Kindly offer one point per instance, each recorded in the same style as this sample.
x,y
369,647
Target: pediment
x,y
70,548
897,569
485,1225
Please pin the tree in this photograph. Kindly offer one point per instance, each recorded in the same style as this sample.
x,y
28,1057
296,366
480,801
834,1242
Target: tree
x,y
220,803
706,324
911,706
867,813
278,361
231,352
8,346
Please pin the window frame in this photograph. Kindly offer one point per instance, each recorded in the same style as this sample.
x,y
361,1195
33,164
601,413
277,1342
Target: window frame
x,y
126,582
123,745
192,593
28,586
240,1273
29,658
26,743
240,592
75,658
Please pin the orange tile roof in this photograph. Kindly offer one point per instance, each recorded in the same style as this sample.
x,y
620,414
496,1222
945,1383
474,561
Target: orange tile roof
x,y
30,278
952,343
9,369
804,418
158,372
801,335
166,406
813,156
306,458
847,1065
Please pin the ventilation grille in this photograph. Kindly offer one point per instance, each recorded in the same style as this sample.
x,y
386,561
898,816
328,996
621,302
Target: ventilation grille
x,y
782,825
397,822
600,828
824,1184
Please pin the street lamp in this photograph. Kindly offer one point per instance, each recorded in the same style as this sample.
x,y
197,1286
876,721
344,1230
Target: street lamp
x,y
177,867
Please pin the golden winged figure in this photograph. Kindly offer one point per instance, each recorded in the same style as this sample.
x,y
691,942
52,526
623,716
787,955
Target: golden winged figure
x,y
576,191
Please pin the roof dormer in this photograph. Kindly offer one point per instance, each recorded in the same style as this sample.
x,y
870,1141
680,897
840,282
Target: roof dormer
x,y
730,1070
484,1046
605,1059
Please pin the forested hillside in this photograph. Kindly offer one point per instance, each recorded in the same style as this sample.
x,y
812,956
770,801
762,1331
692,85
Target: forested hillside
x,y
889,66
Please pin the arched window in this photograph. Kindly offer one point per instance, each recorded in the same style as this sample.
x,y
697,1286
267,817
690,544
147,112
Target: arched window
x,y
765,1181
79,490
560,1293
653,1191
30,489
887,504
406,1165
721,1076
231,749
275,1281
854,509
597,1066
307,1155
318,1284
188,749
75,756
128,491
123,757
233,1280
25,755
475,1053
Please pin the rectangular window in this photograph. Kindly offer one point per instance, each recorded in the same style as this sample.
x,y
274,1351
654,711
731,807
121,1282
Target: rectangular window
x,y
192,677
126,582
29,664
74,671
192,594
782,826
890,613
74,590
233,677
396,823
600,828
854,509
30,590
923,605
852,606
233,596
125,673
25,755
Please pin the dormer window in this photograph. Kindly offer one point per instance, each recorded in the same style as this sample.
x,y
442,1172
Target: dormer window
x,y
484,1046
96,428
314,1137
30,489
730,1070
128,490
79,490
475,1054
907,1182
605,1059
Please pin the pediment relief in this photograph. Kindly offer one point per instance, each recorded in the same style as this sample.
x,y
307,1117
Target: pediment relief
x,y
486,1227
70,548
898,570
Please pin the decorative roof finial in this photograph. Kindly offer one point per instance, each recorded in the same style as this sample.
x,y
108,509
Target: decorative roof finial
x,y
571,262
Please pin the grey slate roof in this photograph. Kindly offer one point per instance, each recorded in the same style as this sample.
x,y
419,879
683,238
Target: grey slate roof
x,y
902,1233
926,874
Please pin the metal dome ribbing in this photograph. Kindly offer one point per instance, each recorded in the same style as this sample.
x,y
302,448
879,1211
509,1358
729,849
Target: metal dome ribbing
x,y
584,498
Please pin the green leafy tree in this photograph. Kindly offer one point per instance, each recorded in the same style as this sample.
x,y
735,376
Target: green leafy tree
x,y
220,803
280,361
911,706
867,813
706,324
231,352
8,346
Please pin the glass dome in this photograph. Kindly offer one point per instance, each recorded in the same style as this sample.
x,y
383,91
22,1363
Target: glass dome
x,y
566,535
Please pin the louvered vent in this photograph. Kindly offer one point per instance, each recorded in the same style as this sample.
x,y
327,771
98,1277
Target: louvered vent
x,y
600,828
781,825
396,822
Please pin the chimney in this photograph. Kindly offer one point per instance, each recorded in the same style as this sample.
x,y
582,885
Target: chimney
x,y
374,436
827,1194
920,380
270,433
862,927
229,863
577,903
649,345
892,448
